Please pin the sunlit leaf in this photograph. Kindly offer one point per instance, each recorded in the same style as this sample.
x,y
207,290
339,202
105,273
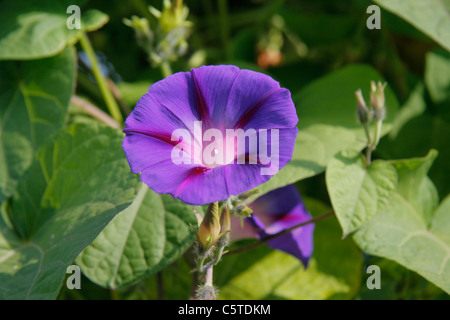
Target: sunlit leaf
x,y
412,230
78,183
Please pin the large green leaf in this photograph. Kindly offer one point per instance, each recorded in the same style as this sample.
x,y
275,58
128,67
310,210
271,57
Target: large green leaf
x,y
411,230
328,123
432,17
141,240
334,271
34,96
414,185
31,29
358,192
78,183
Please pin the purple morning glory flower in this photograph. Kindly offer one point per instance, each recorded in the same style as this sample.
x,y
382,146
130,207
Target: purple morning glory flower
x,y
213,132
276,211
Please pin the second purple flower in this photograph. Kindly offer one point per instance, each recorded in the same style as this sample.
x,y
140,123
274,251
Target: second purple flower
x,y
276,211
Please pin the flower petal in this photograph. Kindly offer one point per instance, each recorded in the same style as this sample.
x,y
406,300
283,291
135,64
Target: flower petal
x,y
234,96
276,111
149,131
221,97
203,187
279,210
256,96
298,243
176,93
243,177
213,85
276,203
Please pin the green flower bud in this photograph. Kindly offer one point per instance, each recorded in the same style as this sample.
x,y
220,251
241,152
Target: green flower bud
x,y
209,231
172,16
363,111
225,220
377,99
225,228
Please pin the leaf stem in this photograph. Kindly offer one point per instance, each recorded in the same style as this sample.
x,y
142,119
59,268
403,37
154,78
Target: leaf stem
x,y
110,102
93,111
276,235
209,276
200,263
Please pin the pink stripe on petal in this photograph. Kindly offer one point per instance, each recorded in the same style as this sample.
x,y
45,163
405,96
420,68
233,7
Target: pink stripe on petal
x,y
202,109
246,117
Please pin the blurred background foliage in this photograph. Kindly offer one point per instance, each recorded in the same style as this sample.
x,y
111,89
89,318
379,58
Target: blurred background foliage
x,y
295,41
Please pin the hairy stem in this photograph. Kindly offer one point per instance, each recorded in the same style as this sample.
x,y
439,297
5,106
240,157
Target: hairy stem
x,y
209,276
200,264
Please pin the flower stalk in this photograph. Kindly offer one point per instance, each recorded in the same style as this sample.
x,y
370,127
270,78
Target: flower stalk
x,y
377,113
212,239
110,102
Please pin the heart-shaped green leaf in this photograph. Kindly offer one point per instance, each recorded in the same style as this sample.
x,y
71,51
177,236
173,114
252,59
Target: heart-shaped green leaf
x,y
412,230
140,241
78,183
358,192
